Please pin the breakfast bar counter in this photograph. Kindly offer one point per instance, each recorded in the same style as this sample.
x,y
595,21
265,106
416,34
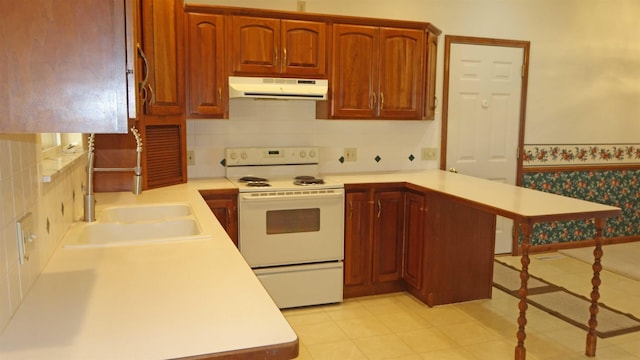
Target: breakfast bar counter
x,y
477,198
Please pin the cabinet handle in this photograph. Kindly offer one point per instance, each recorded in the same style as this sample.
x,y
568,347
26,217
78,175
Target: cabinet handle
x,y
350,208
381,100
284,57
228,217
275,56
152,98
143,83
372,100
435,102
219,96
379,208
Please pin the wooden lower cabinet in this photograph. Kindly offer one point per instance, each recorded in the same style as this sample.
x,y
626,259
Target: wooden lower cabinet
x,y
414,239
437,247
224,205
373,240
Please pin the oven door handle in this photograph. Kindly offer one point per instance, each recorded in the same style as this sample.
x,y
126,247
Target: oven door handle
x,y
257,198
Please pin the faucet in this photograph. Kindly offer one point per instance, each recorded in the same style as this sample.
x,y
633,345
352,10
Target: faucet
x,y
89,199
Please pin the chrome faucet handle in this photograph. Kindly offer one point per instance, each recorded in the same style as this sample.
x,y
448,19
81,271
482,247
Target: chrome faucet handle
x,y
136,134
91,142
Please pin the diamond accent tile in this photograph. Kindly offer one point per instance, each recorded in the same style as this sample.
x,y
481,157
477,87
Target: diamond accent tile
x,y
411,157
377,158
341,159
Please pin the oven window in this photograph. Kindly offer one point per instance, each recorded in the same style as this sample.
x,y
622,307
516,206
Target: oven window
x,y
293,221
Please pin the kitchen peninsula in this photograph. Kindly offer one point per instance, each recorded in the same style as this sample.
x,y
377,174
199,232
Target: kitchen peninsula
x,y
456,244
200,299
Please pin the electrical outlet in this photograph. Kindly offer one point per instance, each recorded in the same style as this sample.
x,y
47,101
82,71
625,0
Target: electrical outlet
x,y
350,154
191,157
429,154
301,5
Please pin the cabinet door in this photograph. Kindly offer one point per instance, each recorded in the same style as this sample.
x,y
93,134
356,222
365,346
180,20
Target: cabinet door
x,y
207,84
388,235
255,44
163,46
357,270
164,151
430,80
402,54
304,48
226,211
414,225
354,72
63,66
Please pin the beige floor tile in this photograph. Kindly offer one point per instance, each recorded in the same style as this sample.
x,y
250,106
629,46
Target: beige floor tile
x,y
398,326
363,327
402,321
469,333
348,310
307,318
383,347
426,340
323,332
449,354
385,303
494,350
444,315
345,349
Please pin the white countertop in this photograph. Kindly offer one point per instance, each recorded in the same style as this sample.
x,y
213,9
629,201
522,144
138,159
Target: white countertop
x,y
503,199
152,301
169,300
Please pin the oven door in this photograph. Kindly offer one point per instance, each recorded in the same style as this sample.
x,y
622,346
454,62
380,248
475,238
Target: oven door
x,y
291,227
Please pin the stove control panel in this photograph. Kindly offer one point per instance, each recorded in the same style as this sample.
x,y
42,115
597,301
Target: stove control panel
x,y
271,156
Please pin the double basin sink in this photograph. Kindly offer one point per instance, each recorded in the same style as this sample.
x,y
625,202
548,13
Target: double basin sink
x,y
136,224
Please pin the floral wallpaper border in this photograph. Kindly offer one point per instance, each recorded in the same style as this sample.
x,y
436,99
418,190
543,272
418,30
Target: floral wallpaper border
x,y
580,154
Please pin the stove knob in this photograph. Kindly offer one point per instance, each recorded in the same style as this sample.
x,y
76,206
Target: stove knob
x,y
243,155
233,156
312,154
303,154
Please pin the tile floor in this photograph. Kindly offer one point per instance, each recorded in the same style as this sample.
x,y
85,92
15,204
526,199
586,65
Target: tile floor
x,y
397,326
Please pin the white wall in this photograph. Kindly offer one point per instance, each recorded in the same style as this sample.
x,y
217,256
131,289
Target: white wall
x,y
584,80
21,192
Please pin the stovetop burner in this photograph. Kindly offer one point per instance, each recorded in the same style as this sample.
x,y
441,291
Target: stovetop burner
x,y
307,180
258,184
252,179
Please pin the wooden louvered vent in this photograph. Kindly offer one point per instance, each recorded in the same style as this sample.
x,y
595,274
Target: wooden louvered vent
x,y
164,155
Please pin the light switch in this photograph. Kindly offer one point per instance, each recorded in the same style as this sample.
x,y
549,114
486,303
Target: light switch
x,y
25,236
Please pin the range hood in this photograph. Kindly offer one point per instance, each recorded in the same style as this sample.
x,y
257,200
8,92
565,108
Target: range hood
x,y
277,88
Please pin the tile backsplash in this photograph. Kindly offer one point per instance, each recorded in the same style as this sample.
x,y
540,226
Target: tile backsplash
x,y
382,145
54,206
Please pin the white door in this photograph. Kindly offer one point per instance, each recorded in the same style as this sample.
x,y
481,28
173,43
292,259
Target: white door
x,y
485,84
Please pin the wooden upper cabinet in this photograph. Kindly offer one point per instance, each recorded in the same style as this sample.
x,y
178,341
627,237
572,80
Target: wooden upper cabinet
x,y
163,47
207,87
430,93
354,80
402,73
378,73
304,48
269,47
63,66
